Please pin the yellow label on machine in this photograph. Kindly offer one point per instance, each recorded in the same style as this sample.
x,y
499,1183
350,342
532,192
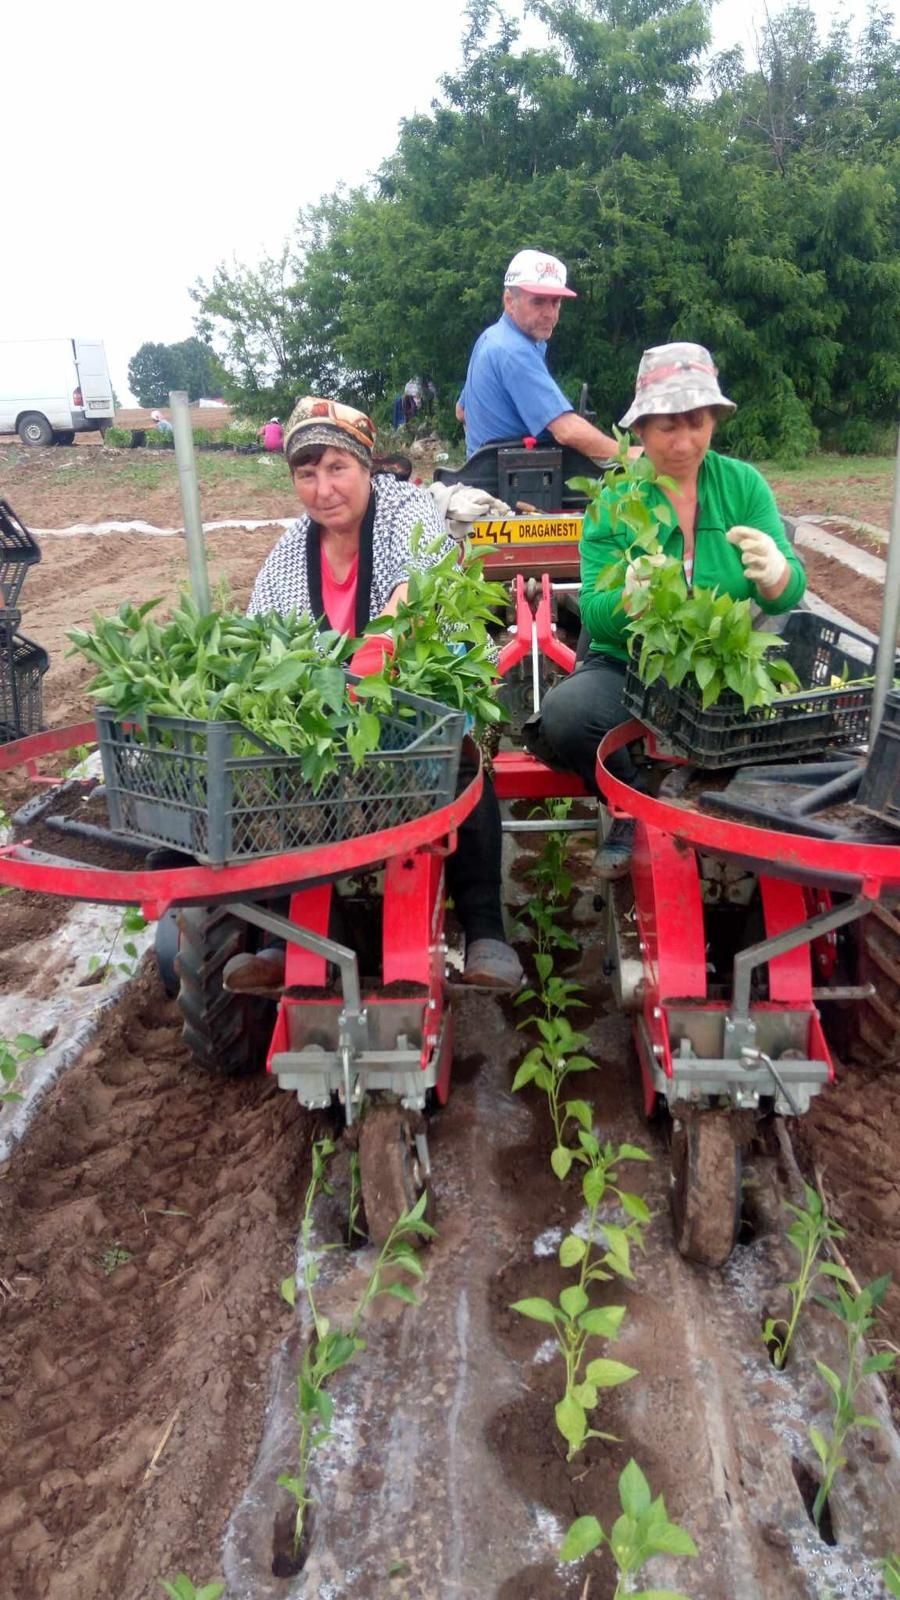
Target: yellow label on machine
x,y
527,530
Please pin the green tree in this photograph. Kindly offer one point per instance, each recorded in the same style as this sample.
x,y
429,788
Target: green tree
x,y
155,369
752,207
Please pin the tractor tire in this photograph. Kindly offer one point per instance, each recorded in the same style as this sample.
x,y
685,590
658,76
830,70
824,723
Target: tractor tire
x,y
875,1022
227,1034
34,428
706,1186
391,1177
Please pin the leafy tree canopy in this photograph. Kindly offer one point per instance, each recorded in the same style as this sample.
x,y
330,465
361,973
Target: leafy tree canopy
x,y
155,369
749,205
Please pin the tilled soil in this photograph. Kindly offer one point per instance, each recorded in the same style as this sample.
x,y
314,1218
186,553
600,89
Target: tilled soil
x,y
858,495
63,488
860,598
147,1220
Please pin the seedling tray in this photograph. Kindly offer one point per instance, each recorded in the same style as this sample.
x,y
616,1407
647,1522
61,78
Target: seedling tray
x,y
194,786
19,550
820,717
22,667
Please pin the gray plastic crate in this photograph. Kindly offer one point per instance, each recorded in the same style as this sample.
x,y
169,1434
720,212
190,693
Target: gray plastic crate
x,y
193,786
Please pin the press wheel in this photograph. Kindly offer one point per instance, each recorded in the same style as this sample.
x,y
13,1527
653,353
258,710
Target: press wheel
x,y
706,1186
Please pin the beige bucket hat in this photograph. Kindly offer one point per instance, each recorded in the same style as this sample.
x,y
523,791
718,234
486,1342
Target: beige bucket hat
x,y
673,378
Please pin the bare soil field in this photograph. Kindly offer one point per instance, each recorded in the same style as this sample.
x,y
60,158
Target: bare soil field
x,y
858,487
149,1214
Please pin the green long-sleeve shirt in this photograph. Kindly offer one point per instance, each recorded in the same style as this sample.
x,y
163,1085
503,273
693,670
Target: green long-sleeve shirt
x,y
729,493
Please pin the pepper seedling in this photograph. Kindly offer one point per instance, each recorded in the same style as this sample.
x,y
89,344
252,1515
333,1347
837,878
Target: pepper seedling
x,y
643,1530
856,1312
573,1320
808,1233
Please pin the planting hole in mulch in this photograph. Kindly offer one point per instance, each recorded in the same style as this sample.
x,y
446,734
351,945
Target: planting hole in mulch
x,y
287,1561
808,1484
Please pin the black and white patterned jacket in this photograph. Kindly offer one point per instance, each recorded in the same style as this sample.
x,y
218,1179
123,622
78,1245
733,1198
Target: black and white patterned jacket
x,y
290,579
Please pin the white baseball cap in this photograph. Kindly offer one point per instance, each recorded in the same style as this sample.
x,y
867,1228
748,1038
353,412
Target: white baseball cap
x,y
538,273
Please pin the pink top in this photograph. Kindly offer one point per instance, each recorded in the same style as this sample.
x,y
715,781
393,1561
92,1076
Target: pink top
x,y
273,436
339,599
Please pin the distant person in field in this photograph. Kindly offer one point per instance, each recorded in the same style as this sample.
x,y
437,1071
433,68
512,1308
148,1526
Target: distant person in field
x,y
163,425
508,392
272,434
412,400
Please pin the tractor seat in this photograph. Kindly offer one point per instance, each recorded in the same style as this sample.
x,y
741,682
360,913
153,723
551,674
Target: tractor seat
x,y
507,470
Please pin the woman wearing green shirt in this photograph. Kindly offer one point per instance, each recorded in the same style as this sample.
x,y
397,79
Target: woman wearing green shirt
x,y
729,536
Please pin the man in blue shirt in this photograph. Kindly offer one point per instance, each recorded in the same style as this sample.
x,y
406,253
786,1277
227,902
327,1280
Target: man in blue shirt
x,y
508,392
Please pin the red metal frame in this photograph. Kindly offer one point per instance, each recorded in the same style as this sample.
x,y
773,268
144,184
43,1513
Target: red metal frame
x,y
413,917
560,561
669,909
872,868
537,621
155,891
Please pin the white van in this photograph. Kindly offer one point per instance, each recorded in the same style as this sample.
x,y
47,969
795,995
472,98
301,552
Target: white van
x,y
51,389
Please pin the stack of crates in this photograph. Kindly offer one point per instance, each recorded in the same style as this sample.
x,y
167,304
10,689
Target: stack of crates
x,y
22,662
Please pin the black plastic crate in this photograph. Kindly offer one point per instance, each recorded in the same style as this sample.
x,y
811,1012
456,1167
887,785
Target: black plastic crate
x,y
19,550
822,715
533,476
879,791
22,667
216,791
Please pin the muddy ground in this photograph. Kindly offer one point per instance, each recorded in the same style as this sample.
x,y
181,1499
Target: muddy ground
x,y
150,1213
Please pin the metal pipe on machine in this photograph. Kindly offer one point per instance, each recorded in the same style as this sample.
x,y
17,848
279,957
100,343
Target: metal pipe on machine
x,y
890,613
190,497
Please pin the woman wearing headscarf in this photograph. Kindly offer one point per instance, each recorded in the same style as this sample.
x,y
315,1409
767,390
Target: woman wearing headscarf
x,y
347,559
727,533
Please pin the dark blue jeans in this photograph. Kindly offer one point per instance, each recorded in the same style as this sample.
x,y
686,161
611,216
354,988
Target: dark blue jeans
x,y
576,714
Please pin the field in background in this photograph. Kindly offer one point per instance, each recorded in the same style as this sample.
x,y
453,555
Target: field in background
x,y
55,488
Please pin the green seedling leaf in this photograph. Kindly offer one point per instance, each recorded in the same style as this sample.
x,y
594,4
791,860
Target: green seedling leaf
x,y
632,1152
583,1537
561,1158
571,1422
402,1291
603,1322
573,1301
607,1374
582,1114
572,1250
660,1594
883,1361
289,1290
538,1310
673,1541
818,1443
634,1206
890,1571
634,1490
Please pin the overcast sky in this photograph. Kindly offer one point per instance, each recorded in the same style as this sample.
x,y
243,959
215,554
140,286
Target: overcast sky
x,y
145,144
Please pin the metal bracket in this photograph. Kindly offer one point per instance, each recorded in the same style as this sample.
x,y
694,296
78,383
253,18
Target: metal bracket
x,y
341,957
740,1029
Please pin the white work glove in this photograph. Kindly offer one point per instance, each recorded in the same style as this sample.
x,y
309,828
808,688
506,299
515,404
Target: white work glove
x,y
764,563
636,580
460,506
